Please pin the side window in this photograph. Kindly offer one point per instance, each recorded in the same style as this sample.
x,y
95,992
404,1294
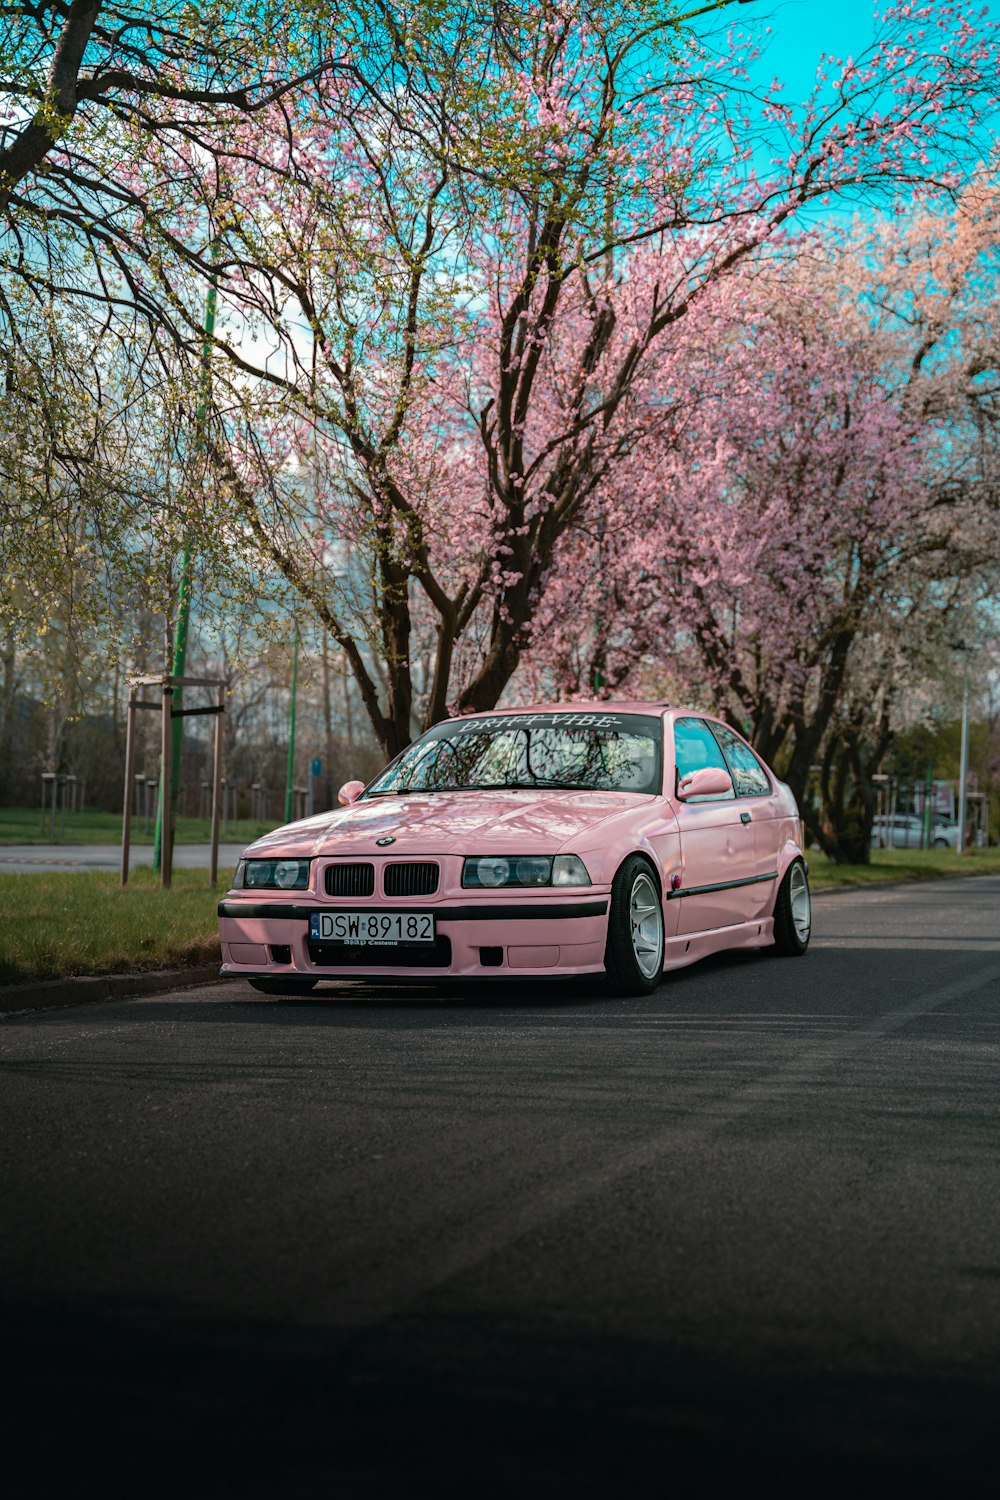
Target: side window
x,y
695,747
749,776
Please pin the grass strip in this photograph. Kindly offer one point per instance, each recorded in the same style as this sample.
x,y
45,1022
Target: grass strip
x,y
902,864
82,922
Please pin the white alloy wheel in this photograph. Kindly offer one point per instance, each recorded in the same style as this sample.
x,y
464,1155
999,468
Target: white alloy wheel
x,y
646,925
800,903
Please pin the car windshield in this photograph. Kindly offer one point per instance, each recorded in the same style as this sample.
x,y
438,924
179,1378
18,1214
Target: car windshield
x,y
580,752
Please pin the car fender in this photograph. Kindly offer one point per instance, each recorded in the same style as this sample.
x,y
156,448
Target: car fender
x,y
663,854
604,864
651,832
789,851
646,849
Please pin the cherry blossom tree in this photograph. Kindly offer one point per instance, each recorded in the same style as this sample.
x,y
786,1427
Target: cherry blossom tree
x,y
827,512
454,265
488,276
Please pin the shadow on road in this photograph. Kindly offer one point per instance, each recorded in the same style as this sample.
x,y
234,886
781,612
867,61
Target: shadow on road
x,y
527,993
115,1400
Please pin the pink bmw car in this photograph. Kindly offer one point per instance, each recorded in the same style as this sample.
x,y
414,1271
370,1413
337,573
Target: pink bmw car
x,y
616,839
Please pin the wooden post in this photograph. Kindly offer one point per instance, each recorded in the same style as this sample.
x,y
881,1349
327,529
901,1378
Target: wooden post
x,y
166,757
216,786
129,770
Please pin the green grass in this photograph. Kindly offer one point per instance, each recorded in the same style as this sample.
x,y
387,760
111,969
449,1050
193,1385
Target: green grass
x,y
23,825
902,864
83,922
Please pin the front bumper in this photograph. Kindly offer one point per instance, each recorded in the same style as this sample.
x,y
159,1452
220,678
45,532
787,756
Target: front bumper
x,y
475,940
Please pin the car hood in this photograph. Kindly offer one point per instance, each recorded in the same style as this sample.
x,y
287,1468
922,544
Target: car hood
x,y
522,822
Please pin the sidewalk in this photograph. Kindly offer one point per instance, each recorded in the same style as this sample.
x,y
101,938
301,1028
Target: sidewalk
x,y
22,859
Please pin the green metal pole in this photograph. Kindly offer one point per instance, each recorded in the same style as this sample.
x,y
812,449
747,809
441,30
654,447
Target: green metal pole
x,y
184,593
928,809
291,729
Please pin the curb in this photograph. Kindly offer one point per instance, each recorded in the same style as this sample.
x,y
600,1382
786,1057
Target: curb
x,y
54,994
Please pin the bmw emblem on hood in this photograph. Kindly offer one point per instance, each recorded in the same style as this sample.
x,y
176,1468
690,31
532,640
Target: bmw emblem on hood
x,y
381,843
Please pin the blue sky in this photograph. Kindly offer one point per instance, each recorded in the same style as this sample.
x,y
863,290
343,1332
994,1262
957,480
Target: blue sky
x,y
803,29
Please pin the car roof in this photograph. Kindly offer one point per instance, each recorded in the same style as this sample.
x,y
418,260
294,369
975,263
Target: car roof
x,y
588,706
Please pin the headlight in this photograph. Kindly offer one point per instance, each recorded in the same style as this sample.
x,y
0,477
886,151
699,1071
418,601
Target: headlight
x,y
569,869
524,870
272,874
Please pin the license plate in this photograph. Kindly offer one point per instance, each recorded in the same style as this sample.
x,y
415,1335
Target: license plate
x,y
374,929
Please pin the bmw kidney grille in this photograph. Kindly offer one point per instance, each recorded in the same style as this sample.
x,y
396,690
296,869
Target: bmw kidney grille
x,y
411,880
350,880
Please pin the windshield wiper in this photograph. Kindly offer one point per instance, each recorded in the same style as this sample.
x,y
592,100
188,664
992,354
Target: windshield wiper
x,y
412,791
467,786
529,786
541,785
470,786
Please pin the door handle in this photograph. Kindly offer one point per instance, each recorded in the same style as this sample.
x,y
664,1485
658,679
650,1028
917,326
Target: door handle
x,y
744,817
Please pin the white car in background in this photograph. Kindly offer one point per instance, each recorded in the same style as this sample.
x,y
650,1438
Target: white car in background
x,y
906,831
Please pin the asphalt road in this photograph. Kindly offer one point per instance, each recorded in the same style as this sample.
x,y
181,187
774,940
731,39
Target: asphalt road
x,y
742,1237
24,859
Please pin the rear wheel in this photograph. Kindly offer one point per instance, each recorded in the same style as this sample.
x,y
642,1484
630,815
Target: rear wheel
x,y
283,986
793,912
633,958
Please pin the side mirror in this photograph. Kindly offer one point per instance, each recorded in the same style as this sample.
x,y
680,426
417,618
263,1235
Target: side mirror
x,y
709,781
350,792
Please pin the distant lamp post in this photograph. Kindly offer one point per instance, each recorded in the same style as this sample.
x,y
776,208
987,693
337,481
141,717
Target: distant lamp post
x,y
289,780
963,756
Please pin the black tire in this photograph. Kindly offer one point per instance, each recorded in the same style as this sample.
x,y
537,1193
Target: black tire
x,y
291,986
635,878
941,844
789,920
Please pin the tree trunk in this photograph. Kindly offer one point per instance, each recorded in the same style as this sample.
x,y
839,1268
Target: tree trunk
x,y
848,802
8,696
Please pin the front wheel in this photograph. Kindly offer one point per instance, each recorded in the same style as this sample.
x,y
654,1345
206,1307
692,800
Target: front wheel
x,y
633,958
283,986
793,911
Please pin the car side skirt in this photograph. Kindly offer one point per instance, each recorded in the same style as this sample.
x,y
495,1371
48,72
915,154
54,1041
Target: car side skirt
x,y
689,947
